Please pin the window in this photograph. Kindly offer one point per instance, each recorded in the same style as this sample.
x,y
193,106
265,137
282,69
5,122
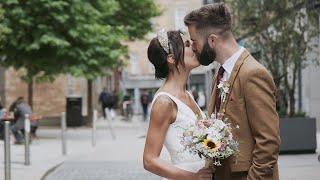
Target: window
x,y
69,85
181,12
134,64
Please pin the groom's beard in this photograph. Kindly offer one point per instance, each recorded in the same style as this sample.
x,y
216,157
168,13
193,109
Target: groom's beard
x,y
207,55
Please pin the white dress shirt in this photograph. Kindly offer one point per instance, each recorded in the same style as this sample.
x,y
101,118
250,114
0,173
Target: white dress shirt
x,y
230,62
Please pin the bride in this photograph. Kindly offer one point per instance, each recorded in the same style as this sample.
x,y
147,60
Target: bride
x,y
173,108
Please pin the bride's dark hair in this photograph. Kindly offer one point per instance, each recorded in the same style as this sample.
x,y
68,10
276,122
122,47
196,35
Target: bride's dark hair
x,y
158,56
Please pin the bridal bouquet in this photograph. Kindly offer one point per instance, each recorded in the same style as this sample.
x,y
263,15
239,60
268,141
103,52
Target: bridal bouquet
x,y
211,139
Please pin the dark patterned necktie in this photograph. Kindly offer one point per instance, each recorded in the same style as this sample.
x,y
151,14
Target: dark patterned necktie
x,y
218,99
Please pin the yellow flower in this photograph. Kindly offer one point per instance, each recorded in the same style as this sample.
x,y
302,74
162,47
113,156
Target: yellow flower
x,y
188,133
212,146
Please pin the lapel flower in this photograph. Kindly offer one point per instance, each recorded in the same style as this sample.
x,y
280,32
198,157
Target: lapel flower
x,y
224,88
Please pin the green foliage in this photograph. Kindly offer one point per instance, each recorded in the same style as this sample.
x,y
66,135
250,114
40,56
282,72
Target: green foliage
x,y
280,32
134,16
3,29
83,38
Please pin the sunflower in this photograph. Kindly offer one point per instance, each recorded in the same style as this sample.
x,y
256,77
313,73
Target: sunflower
x,y
212,146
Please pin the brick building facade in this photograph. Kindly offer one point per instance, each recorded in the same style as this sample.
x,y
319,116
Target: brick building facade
x,y
49,98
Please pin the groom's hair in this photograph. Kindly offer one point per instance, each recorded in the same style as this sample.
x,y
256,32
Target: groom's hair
x,y
212,16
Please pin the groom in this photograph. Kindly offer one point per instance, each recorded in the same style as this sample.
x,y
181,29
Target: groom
x,y
250,103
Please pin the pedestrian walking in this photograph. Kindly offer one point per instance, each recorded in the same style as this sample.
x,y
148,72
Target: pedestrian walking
x,y
105,99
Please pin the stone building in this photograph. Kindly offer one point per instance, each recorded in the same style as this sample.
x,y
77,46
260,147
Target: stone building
x,y
139,74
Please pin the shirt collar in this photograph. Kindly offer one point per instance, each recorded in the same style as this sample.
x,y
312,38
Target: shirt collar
x,y
231,61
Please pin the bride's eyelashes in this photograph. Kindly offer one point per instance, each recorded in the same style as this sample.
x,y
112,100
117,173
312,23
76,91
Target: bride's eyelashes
x,y
187,43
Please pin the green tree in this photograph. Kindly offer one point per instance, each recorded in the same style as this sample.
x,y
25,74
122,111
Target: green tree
x,y
84,38
4,30
132,20
134,16
280,32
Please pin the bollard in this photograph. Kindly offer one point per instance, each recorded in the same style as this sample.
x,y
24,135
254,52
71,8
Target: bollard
x,y
27,140
94,127
7,158
63,133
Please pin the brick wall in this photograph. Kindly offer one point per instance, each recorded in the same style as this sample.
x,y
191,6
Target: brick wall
x,y
2,83
49,98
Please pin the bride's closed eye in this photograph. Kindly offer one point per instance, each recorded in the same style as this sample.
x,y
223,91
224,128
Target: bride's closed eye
x,y
187,43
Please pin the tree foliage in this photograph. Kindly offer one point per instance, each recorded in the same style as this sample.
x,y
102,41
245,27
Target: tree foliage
x,y
84,38
3,29
280,33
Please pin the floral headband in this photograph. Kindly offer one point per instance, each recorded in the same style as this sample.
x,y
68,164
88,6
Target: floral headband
x,y
163,40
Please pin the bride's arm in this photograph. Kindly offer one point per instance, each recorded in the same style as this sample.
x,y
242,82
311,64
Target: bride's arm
x,y
163,113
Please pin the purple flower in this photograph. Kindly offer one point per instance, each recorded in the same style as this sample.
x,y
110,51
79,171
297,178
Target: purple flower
x,y
222,148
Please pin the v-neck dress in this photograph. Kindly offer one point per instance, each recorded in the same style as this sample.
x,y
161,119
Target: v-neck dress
x,y
184,118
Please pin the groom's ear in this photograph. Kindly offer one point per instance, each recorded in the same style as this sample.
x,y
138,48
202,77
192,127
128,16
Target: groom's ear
x,y
212,39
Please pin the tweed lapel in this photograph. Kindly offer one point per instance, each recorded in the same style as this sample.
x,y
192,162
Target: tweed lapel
x,y
232,78
213,92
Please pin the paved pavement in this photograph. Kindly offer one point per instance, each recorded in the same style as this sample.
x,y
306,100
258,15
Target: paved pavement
x,y
113,159
299,167
101,170
291,168
46,152
123,160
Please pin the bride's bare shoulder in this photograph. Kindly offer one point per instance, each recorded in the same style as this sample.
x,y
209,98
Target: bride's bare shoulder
x,y
163,101
164,108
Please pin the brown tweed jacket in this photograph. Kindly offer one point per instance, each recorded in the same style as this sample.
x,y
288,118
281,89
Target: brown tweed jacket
x,y
251,104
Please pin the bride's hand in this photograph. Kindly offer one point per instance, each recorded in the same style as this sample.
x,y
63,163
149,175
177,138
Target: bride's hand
x,y
203,174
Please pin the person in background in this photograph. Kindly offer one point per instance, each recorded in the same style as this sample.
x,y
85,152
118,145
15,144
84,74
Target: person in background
x,y
105,99
114,104
13,108
20,111
201,100
195,94
127,106
144,99
2,110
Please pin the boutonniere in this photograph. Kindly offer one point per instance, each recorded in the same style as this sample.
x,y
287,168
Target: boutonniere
x,y
224,88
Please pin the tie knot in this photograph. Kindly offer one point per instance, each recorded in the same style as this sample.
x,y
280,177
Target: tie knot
x,y
221,71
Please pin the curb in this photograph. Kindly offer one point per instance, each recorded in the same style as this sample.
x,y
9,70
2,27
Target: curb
x,y
49,171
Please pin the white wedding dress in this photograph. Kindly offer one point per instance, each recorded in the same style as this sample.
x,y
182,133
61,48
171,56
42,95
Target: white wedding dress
x,y
185,116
